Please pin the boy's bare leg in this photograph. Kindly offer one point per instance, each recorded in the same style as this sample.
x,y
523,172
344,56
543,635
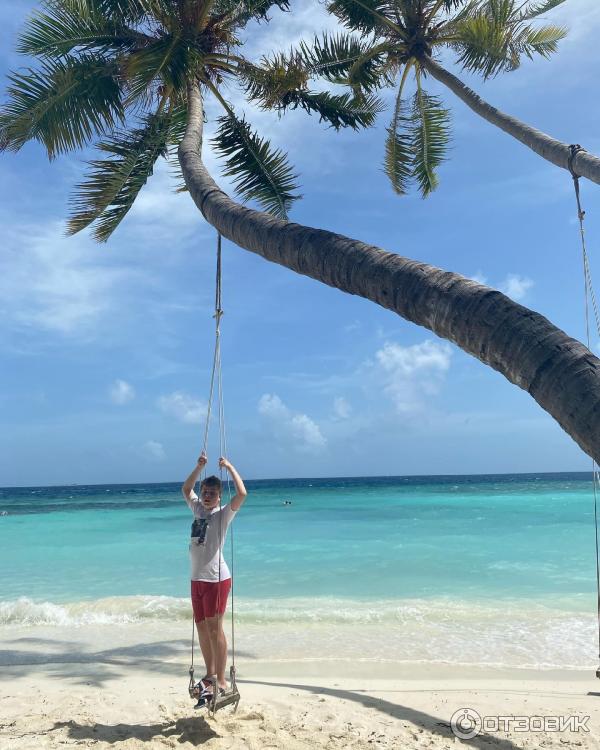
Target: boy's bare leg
x,y
218,643
206,647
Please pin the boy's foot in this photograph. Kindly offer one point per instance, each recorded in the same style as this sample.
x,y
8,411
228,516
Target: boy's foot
x,y
207,694
202,701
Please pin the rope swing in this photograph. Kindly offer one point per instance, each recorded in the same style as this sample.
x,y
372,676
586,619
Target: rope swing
x,y
589,296
232,695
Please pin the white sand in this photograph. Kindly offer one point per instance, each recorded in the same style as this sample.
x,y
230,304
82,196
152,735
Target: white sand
x,y
126,687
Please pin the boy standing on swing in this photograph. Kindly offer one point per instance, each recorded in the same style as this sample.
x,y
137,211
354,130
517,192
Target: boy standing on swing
x,y
211,579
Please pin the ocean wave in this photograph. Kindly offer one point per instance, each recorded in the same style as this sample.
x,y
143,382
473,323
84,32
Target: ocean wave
x,y
537,635
438,611
113,610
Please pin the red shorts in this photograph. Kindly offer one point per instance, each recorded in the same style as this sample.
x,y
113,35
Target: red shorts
x,y
209,598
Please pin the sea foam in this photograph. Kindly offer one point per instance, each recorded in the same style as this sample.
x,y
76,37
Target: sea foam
x,y
540,635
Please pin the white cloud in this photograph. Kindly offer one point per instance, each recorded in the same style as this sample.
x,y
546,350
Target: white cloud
x,y
297,428
410,373
515,286
479,278
352,327
160,211
184,407
121,392
153,449
270,405
49,282
286,29
341,408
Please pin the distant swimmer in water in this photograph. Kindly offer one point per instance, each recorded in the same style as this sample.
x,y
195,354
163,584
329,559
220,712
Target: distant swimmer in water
x,y
287,502
3,513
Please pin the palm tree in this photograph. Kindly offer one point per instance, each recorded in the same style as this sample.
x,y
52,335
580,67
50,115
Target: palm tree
x,y
488,37
110,56
115,73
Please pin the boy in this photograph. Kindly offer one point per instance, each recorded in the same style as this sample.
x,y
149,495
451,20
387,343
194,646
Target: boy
x,y
211,579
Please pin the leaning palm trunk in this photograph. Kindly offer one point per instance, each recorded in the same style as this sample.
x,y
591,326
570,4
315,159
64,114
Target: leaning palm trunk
x,y
561,374
556,152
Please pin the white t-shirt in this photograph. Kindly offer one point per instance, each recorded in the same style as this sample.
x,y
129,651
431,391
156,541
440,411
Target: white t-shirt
x,y
209,530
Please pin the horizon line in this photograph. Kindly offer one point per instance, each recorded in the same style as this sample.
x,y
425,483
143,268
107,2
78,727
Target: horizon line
x,y
314,478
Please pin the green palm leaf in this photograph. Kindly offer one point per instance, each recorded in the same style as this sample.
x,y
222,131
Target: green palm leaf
x,y
369,72
271,83
135,11
430,137
484,46
491,37
333,57
114,183
118,10
259,172
542,40
538,9
339,110
63,105
239,12
164,62
281,84
398,162
368,16
72,24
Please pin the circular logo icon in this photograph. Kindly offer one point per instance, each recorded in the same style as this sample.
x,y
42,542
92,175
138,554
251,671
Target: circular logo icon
x,y
465,723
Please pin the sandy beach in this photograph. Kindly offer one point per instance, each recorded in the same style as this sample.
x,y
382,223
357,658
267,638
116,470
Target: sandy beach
x,y
126,687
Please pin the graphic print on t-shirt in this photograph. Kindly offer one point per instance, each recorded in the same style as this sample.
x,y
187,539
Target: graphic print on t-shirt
x,y
199,528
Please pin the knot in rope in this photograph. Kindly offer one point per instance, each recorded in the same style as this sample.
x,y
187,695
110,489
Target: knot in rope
x,y
574,149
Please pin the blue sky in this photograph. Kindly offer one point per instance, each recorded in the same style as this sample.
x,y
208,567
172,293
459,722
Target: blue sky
x,y
106,349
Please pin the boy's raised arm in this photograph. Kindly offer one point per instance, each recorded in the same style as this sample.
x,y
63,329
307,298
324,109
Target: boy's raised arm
x,y
240,490
187,488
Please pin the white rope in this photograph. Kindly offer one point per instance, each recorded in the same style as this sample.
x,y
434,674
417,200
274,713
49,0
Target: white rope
x,y
223,444
217,376
589,295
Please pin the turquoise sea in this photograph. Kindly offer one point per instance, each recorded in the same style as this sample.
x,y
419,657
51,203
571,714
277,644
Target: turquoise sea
x,y
503,566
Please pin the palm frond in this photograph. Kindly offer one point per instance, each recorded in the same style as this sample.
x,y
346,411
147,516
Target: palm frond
x,y
369,71
271,83
130,10
430,138
398,162
113,184
367,16
281,84
492,37
62,105
237,13
339,110
133,11
166,62
333,57
484,46
537,9
259,172
61,27
542,40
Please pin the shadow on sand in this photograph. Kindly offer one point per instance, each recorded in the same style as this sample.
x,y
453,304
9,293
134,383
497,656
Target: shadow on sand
x,y
197,731
74,662
194,730
419,719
